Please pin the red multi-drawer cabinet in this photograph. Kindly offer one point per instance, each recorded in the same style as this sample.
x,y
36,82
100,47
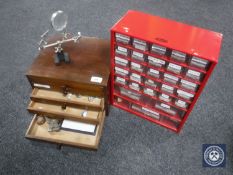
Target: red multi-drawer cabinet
x,y
159,67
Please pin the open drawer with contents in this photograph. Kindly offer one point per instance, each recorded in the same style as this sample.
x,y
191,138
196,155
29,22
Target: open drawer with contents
x,y
160,74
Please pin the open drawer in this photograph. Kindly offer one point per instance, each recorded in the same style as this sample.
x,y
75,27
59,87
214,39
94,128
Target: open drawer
x,y
82,113
69,98
72,138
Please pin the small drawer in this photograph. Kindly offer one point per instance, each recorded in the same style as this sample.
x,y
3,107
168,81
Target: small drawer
x,y
122,51
136,77
156,62
174,68
151,83
41,95
130,94
158,49
121,80
168,89
150,113
121,71
188,85
65,111
139,44
136,107
181,104
178,56
149,91
122,102
122,38
165,97
135,86
67,137
153,73
138,56
184,94
137,67
199,63
194,74
121,61
170,78
166,108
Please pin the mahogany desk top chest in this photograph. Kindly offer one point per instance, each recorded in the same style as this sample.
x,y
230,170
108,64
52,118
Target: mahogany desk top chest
x,y
77,91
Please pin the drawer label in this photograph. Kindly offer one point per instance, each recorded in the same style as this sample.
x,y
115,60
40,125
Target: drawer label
x,y
195,73
96,79
165,106
174,66
136,65
154,71
120,79
122,49
138,54
156,60
148,110
121,60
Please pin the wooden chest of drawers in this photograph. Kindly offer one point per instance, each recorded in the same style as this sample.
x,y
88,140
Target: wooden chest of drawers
x,y
67,90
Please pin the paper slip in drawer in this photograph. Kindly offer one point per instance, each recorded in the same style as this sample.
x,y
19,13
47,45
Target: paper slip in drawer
x,y
149,91
139,44
121,71
156,61
138,56
174,68
154,73
122,51
40,132
166,108
135,86
150,82
41,95
121,80
198,62
158,49
136,77
122,38
181,104
65,111
137,67
193,74
130,94
165,97
188,85
150,113
121,61
170,78
136,107
167,88
179,56
184,94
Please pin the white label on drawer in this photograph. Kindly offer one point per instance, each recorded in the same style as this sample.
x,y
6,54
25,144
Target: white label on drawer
x,y
41,85
188,83
165,96
154,71
121,60
138,54
195,73
179,54
156,47
165,106
156,60
148,110
139,42
149,90
122,36
199,60
140,47
135,85
96,79
171,77
167,87
135,65
185,93
121,70
182,103
122,49
120,79
174,66
136,75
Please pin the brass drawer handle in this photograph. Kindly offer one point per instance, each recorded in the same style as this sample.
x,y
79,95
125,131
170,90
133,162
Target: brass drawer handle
x,y
63,107
65,90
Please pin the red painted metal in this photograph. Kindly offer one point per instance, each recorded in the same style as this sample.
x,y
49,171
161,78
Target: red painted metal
x,y
174,35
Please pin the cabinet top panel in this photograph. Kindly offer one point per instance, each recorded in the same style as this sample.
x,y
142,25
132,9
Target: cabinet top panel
x,y
89,58
175,35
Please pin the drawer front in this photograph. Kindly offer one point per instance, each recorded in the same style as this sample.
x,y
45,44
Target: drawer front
x,y
72,99
55,110
40,132
66,86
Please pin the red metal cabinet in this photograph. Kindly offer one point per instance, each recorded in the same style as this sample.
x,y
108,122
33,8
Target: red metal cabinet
x,y
159,67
